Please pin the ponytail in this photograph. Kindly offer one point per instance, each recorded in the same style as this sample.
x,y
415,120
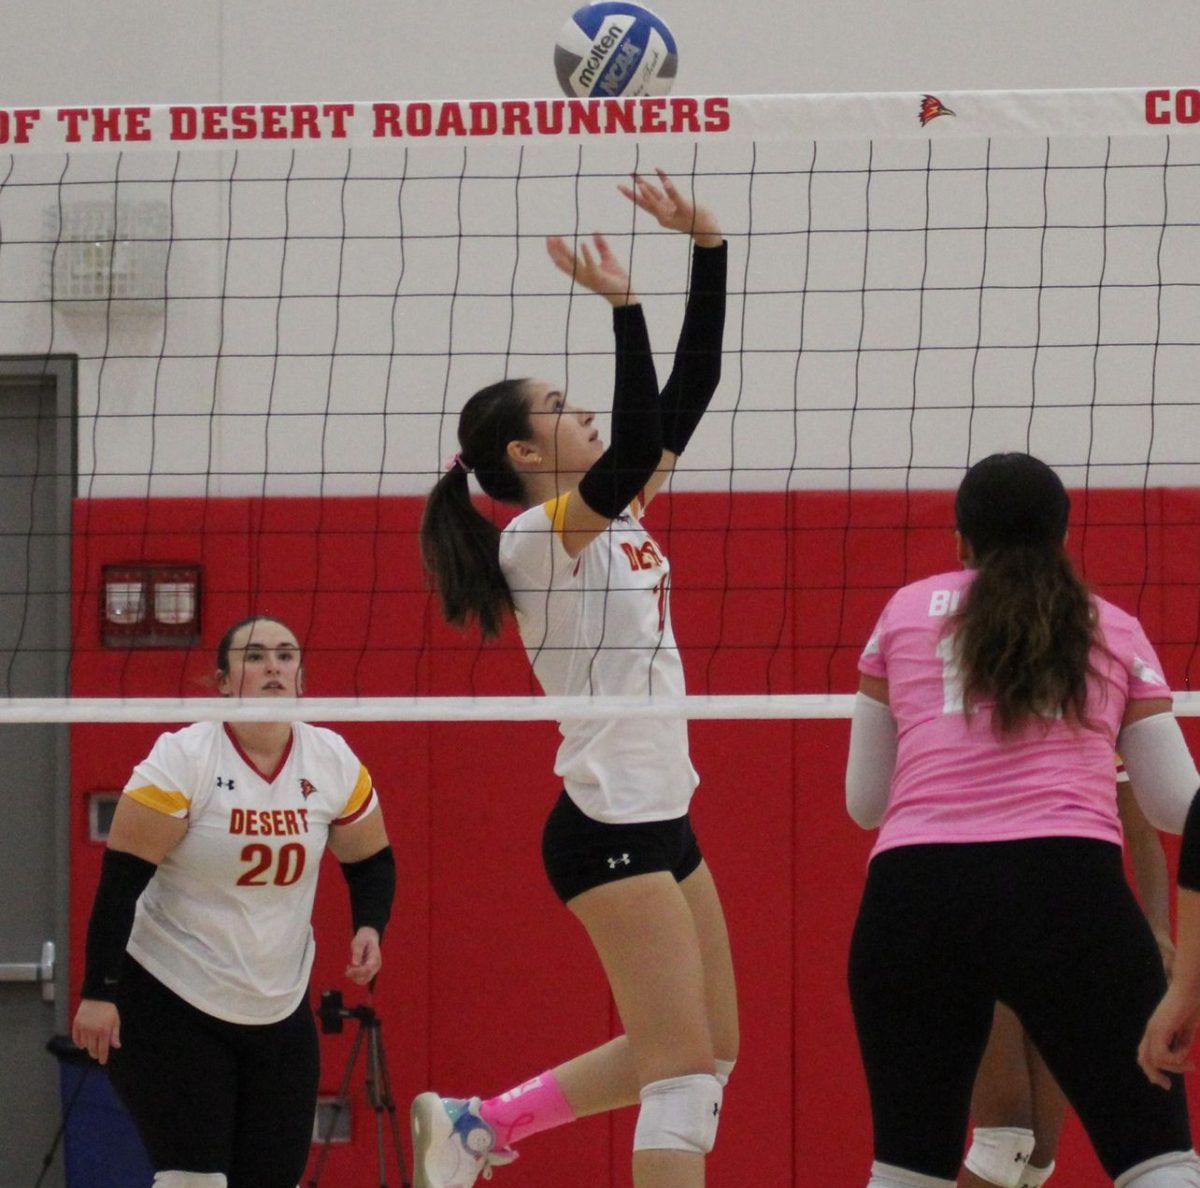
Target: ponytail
x,y
1024,635
459,546
461,551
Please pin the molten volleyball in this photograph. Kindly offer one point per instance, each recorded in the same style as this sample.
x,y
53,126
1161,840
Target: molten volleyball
x,y
613,48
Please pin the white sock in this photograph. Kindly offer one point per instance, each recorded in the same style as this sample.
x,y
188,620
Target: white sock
x,y
1178,1169
884,1175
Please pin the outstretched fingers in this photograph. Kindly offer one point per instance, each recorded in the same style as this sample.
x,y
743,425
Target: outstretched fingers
x,y
594,266
563,257
662,204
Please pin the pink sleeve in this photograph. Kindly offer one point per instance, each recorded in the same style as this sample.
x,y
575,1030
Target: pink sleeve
x,y
1146,678
872,662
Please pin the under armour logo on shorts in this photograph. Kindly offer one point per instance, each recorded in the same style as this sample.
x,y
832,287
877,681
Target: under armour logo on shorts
x,y
613,863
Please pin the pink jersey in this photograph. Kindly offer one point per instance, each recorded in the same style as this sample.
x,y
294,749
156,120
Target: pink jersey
x,y
955,779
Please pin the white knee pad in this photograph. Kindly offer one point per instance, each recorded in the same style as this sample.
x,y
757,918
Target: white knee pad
x,y
679,1114
723,1070
182,1179
1179,1169
884,1175
999,1154
1035,1177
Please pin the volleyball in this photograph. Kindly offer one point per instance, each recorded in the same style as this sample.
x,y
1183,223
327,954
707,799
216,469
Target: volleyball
x,y
611,48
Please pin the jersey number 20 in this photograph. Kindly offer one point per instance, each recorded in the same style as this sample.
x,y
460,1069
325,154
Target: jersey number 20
x,y
288,865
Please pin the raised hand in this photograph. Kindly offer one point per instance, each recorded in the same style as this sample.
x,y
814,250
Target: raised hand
x,y
595,267
669,208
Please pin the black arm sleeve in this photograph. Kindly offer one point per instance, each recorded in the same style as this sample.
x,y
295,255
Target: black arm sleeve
x,y
372,883
1188,876
697,369
636,447
123,877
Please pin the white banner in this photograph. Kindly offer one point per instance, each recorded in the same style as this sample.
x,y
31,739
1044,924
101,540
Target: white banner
x,y
1116,112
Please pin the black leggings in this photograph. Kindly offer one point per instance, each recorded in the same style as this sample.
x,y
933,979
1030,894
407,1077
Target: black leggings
x,y
211,1096
1047,926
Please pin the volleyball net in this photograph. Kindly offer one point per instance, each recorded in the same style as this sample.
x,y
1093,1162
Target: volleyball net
x,y
271,315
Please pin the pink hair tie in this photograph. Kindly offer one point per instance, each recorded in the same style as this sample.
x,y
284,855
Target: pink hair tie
x,y
457,460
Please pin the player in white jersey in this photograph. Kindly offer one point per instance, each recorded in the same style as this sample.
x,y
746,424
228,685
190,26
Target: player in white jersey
x,y
591,593
200,941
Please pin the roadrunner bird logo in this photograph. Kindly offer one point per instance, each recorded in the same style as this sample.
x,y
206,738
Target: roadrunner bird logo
x,y
931,108
306,789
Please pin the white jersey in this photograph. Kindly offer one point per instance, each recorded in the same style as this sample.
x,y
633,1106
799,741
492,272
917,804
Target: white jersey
x,y
226,921
600,624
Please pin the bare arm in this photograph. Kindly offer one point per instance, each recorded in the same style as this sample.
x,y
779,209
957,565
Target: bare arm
x,y
1150,874
143,831
1167,1042
360,839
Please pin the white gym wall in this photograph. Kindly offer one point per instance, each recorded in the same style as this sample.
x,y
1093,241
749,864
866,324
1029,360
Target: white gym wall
x,y
56,52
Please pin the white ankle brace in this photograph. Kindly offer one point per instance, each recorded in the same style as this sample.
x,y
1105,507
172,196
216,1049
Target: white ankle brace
x,y
999,1154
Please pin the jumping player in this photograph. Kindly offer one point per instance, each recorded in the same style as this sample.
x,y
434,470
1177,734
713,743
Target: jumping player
x,y
591,592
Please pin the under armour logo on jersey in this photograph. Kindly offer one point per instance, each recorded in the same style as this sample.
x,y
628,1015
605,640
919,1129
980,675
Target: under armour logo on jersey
x,y
222,782
306,789
613,863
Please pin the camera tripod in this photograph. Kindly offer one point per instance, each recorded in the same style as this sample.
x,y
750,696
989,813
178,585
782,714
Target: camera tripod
x,y
378,1083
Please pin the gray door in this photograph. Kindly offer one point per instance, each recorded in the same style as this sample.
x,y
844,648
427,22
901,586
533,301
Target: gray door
x,y
37,465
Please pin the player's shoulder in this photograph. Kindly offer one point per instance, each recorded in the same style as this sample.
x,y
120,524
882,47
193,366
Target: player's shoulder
x,y
195,739
322,742
937,595
537,518
527,528
1115,624
951,579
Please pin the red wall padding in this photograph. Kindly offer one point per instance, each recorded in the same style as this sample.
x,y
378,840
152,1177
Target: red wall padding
x,y
488,979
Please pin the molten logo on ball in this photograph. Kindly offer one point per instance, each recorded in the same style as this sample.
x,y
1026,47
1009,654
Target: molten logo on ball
x,y
613,48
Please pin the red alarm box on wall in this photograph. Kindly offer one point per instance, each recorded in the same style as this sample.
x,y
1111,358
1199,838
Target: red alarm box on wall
x,y
150,605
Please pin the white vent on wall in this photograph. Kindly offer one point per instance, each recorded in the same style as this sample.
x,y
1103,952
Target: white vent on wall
x,y
104,253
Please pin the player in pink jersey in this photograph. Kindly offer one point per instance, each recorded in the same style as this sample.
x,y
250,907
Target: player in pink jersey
x,y
990,704
200,941
590,591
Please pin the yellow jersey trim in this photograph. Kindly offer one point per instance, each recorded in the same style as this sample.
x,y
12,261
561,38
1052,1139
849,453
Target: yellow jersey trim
x,y
358,798
161,800
556,512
